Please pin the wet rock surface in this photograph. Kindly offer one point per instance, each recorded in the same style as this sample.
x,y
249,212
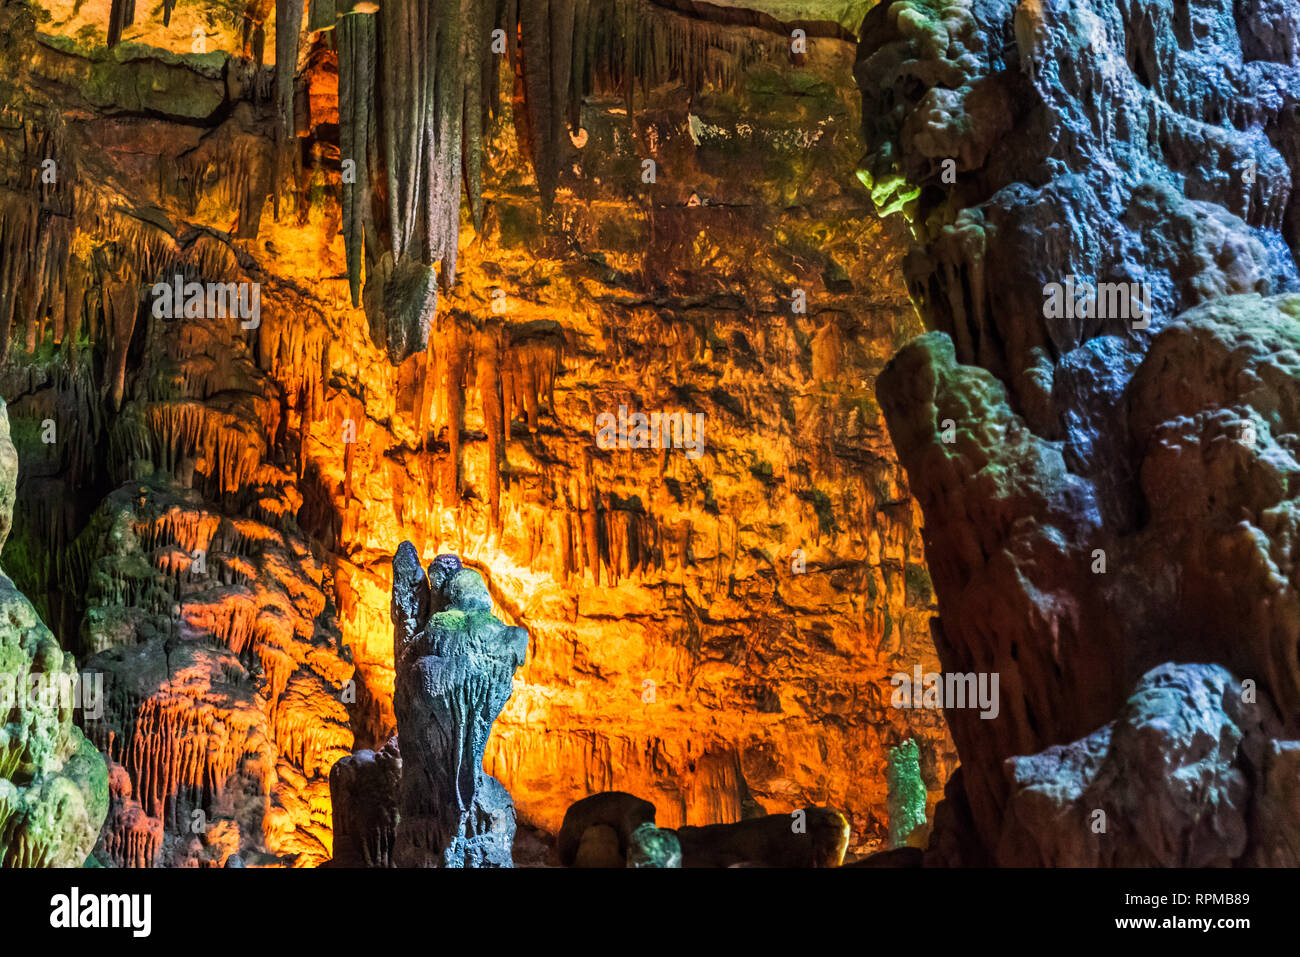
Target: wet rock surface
x,y
1105,487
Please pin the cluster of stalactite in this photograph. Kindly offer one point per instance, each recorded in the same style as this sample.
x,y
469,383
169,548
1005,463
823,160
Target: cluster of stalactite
x,y
419,85
510,369
242,167
250,708
36,230
75,269
246,722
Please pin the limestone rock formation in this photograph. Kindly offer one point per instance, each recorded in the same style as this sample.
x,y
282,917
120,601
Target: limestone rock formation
x,y
619,811
224,681
455,664
53,783
1166,784
653,847
762,593
807,837
363,794
615,829
1100,432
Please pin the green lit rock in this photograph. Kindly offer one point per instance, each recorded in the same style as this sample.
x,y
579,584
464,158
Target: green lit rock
x,y
53,783
651,846
906,792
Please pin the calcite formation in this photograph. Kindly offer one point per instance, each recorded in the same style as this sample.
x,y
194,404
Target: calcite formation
x,y
616,811
617,829
53,783
364,795
1095,802
224,680
455,665
1106,482
806,837
714,633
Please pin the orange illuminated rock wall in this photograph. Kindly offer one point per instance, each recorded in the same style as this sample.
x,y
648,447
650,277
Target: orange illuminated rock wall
x,y
715,634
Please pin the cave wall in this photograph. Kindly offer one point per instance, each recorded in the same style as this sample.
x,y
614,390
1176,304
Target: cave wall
x,y
716,634
1107,492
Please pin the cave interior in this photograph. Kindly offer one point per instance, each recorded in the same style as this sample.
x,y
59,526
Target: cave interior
x,y
649,433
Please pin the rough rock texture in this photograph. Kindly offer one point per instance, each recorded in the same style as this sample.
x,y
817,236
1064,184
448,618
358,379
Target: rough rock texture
x,y
364,795
1108,492
615,829
455,664
224,681
653,847
1098,802
714,633
53,784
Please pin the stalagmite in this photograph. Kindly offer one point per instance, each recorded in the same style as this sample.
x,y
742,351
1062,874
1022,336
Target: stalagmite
x,y
454,663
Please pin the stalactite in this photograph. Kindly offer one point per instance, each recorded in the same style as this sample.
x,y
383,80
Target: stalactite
x,y
454,364
437,88
356,45
121,302
488,380
536,33
478,30
18,223
322,15
445,96
402,33
121,16
288,28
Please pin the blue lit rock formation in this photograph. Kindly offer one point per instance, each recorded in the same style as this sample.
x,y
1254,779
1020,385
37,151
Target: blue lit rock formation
x,y
1095,802
455,663
1105,489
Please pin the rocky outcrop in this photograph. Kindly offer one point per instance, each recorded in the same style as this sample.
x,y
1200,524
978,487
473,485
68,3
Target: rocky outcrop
x,y
617,811
806,837
716,633
615,829
363,794
224,680
1166,784
455,664
1100,432
53,783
